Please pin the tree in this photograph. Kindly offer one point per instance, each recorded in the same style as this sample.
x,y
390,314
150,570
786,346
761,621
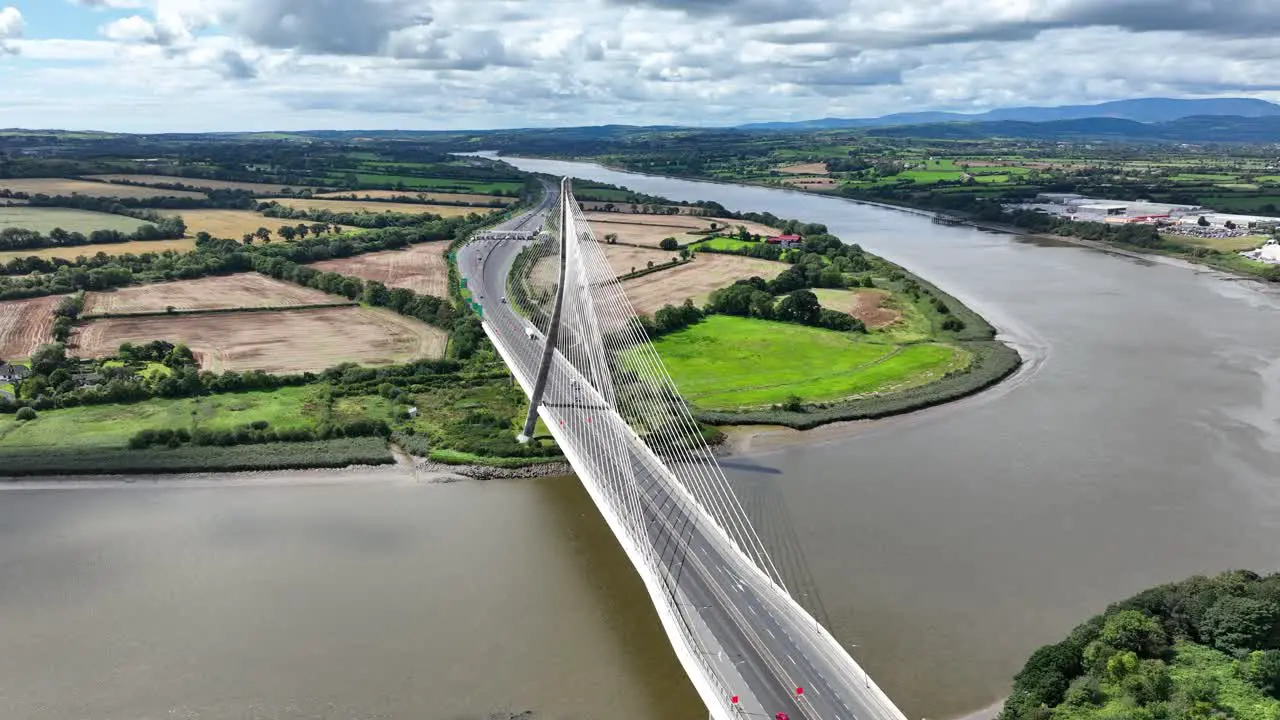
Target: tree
x,y
263,234
302,229
611,238
801,307
288,233
1134,631
1263,670
1239,624
669,243
247,239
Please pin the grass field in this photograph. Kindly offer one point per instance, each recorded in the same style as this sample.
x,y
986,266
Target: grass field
x,y
727,363
129,248
266,188
112,425
46,219
62,186
286,341
231,224
356,206
221,292
1235,244
723,243
421,268
805,169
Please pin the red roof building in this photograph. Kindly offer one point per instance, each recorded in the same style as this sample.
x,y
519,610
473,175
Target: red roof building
x,y
784,240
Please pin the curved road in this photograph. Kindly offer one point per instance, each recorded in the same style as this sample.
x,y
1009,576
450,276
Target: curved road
x,y
762,644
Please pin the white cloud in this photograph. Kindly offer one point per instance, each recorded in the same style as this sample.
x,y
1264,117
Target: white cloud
x,y
493,63
134,28
11,28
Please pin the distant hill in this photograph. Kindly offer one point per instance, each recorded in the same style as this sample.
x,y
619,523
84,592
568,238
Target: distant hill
x,y
1196,129
1142,110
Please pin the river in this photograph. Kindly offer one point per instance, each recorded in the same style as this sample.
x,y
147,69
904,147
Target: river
x,y
1140,444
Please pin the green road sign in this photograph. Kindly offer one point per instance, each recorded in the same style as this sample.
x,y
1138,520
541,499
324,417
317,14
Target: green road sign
x,y
464,282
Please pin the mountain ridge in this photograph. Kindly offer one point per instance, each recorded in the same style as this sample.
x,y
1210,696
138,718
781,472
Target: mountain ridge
x,y
1142,110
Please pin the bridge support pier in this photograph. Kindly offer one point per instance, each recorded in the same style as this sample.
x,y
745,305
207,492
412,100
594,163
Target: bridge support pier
x,y
553,332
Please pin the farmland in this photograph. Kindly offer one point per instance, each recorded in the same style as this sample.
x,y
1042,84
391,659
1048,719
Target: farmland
x,y
625,259
102,426
649,234
61,186
421,268
136,247
229,224
276,342
264,188
356,206
245,290
695,280
45,219
439,197
475,187
725,363
815,168
867,305
25,325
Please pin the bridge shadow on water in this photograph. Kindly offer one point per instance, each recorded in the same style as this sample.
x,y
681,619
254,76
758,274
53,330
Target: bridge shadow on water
x,y
626,607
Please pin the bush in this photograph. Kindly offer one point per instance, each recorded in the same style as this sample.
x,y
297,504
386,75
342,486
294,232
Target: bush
x,y
669,243
26,414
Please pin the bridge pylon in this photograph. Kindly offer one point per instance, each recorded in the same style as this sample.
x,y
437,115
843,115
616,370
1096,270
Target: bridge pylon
x,y
553,330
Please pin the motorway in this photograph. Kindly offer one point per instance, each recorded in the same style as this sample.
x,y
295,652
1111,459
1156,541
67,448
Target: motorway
x,y
760,644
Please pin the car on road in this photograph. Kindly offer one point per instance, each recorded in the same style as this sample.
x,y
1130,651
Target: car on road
x,y
504,299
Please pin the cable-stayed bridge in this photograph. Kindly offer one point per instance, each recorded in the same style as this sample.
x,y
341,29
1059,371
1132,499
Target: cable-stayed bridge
x,y
555,311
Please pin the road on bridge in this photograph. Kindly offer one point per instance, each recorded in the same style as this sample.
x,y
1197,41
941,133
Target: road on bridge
x,y
761,645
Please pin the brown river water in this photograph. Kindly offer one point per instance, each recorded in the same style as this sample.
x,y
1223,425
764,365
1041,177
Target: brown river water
x,y
1140,444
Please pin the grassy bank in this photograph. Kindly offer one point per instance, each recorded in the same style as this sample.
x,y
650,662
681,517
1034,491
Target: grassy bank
x,y
24,462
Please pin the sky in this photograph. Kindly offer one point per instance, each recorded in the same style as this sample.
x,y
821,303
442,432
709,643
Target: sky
x,y
239,65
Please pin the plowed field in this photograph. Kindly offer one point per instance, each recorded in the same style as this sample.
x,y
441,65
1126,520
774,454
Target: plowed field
x,y
267,188
866,305
26,325
421,268
278,342
246,290
696,280
62,186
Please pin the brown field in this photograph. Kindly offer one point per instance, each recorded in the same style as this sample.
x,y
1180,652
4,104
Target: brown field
x,y
622,258
643,234
651,229
696,280
60,186
136,247
26,325
812,183
288,341
231,224
866,305
421,197
349,206
265,188
805,169
245,290
421,268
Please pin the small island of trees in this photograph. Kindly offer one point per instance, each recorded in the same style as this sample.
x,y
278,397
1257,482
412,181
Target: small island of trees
x,y
1199,649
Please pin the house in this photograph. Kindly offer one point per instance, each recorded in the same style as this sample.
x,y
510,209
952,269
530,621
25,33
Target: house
x,y
13,373
786,241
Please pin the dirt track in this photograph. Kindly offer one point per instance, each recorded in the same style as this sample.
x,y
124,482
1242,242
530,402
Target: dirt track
x,y
245,290
421,268
277,342
26,325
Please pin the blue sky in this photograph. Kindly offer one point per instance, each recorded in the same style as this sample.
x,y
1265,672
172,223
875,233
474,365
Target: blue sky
x,y
202,65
